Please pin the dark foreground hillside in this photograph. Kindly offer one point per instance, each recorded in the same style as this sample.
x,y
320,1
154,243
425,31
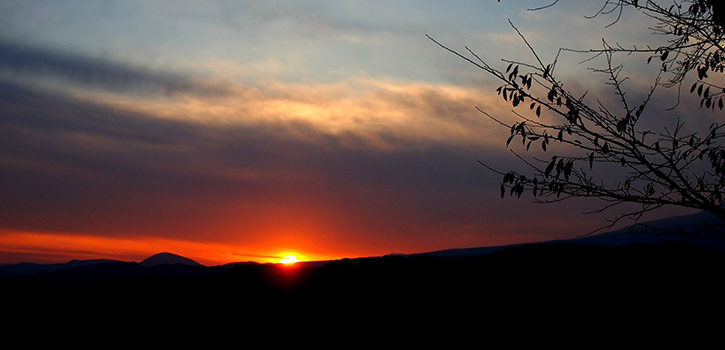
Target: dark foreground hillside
x,y
668,284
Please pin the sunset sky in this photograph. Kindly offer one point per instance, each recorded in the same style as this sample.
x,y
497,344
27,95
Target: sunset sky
x,y
236,130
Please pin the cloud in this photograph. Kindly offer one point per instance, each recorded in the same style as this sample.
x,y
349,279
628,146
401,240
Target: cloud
x,y
92,72
69,165
340,166
382,113
359,112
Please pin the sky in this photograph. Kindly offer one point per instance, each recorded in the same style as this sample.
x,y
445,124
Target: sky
x,y
231,131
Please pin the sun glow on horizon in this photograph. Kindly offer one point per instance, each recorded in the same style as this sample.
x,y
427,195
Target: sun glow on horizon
x,y
289,259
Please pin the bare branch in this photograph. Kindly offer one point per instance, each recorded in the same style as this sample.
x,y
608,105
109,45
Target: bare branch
x,y
651,168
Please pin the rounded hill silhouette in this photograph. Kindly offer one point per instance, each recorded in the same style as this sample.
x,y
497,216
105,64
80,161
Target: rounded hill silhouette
x,y
168,259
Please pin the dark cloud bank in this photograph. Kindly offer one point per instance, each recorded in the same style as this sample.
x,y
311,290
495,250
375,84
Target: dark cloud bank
x,y
112,76
74,166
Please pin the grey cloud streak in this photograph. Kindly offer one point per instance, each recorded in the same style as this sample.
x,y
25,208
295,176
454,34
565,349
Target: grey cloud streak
x,y
111,76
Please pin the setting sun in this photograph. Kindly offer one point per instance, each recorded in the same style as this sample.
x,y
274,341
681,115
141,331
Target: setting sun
x,y
289,259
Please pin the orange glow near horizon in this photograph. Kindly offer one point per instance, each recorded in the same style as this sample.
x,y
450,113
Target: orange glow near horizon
x,y
271,244
289,259
62,247
40,247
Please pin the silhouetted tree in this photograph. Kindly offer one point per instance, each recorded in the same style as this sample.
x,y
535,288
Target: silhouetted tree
x,y
665,167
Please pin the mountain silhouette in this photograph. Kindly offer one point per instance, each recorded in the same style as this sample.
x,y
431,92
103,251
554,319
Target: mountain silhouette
x,y
31,268
167,259
676,229
172,264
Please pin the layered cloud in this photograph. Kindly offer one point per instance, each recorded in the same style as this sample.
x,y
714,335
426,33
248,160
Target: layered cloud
x,y
21,61
356,167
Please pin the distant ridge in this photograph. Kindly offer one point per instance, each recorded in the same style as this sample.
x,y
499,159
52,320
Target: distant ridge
x,y
24,268
652,232
168,259
617,238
